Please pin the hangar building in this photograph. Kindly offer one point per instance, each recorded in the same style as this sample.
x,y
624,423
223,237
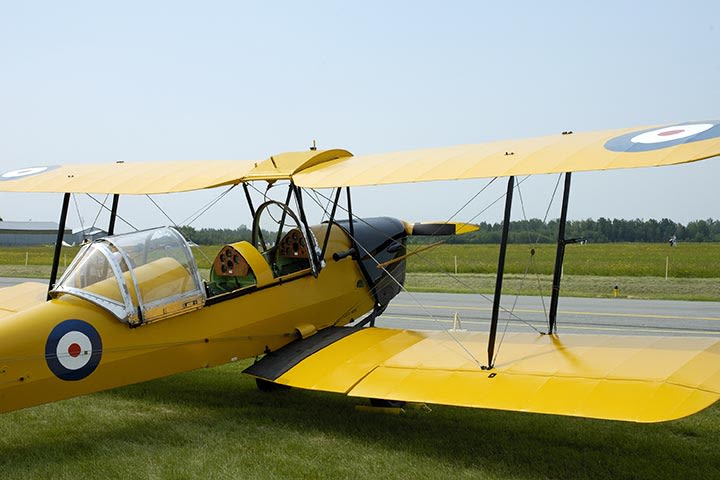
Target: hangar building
x,y
31,233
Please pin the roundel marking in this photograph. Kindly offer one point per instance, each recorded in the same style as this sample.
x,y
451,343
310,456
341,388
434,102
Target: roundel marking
x,y
26,172
73,350
657,138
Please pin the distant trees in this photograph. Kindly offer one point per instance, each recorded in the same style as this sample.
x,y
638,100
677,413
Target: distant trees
x,y
534,230
216,236
602,230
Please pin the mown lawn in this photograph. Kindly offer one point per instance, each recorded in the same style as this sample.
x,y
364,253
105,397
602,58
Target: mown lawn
x,y
215,424
687,260
589,271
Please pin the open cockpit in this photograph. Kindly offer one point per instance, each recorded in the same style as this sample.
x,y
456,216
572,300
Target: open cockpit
x,y
150,275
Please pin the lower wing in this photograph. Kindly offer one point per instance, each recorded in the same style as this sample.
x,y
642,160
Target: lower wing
x,y
631,378
21,297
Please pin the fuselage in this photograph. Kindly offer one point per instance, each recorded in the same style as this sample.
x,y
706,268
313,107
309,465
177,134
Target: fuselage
x,y
41,362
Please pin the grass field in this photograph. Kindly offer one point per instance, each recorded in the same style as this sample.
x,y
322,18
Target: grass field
x,y
688,260
701,289
590,270
215,424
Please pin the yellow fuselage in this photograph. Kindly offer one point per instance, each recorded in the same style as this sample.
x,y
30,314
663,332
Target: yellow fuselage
x,y
247,325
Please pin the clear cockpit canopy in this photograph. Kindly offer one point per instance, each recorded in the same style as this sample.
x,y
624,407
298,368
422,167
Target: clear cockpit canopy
x,y
139,277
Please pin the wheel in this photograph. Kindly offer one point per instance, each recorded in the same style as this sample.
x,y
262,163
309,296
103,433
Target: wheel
x,y
268,386
382,403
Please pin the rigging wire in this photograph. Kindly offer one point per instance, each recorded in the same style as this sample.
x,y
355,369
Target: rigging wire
x,y
357,303
435,264
202,210
531,261
102,205
77,209
99,211
411,295
162,211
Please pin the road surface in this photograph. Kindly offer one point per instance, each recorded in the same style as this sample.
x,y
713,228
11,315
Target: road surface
x,y
435,311
575,315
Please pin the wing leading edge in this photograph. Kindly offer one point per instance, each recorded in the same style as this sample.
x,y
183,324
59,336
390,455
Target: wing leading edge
x,y
640,379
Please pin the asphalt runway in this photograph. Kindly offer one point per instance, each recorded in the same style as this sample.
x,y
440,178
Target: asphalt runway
x,y
436,311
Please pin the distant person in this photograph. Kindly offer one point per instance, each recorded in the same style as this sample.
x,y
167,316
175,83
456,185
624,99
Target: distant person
x,y
673,241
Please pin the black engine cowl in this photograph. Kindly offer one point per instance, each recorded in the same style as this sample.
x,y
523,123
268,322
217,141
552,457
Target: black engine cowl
x,y
378,240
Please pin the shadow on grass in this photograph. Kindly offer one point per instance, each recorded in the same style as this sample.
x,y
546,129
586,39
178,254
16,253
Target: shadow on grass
x,y
223,403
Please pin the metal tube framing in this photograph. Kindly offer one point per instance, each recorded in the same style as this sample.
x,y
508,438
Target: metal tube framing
x,y
249,199
113,214
559,257
312,247
500,273
330,223
350,215
58,243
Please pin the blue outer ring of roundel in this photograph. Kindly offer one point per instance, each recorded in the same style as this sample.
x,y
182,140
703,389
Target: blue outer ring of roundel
x,y
46,168
623,143
56,334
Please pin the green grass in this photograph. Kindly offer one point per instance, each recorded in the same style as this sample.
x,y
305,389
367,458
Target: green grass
x,y
215,424
706,289
590,270
687,260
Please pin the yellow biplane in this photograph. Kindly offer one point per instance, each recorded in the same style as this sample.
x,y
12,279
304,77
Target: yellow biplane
x,y
303,299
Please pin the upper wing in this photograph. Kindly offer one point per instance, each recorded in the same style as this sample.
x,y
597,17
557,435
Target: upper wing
x,y
626,148
641,379
158,177
126,178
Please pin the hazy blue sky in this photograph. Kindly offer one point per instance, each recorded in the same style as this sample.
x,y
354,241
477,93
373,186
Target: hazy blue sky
x,y
101,81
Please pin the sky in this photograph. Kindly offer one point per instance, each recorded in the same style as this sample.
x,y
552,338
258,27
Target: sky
x,y
86,82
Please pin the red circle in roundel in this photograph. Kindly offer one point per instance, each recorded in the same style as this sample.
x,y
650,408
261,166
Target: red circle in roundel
x,y
670,132
74,350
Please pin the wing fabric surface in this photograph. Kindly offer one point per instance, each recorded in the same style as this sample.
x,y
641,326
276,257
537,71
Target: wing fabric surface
x,y
159,177
551,154
21,297
128,178
640,379
339,168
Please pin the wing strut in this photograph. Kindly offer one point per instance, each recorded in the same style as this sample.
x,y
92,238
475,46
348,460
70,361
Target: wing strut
x,y
58,243
113,214
559,257
331,220
500,272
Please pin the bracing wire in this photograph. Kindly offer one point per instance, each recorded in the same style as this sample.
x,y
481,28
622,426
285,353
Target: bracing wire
x,y
102,205
161,210
77,209
99,211
202,210
368,254
455,278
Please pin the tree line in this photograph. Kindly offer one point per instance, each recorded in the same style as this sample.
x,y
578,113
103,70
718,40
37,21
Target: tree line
x,y
602,230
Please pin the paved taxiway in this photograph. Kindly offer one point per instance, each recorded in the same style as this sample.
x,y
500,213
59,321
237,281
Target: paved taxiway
x,y
435,311
575,315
